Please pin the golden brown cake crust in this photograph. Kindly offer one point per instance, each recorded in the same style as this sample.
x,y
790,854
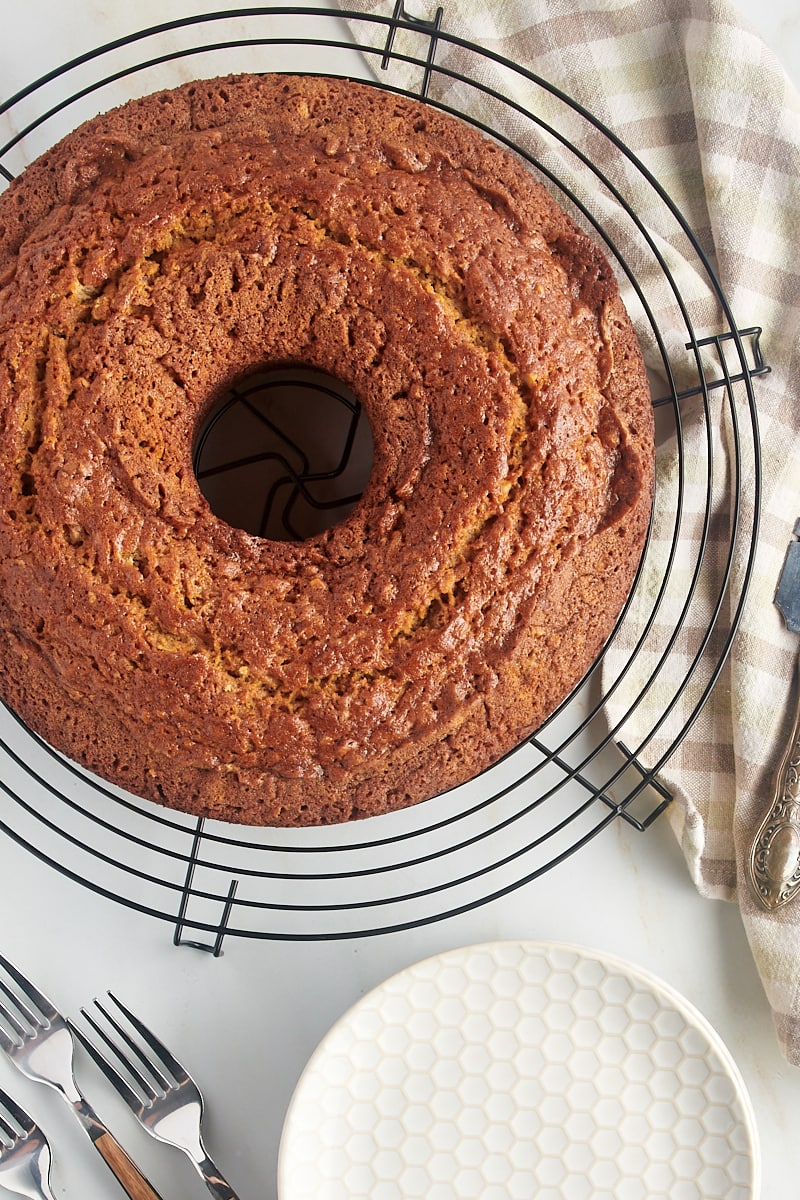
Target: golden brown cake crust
x,y
166,248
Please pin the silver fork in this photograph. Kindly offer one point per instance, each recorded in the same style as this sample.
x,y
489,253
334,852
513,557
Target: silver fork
x,y
38,1040
24,1152
166,1100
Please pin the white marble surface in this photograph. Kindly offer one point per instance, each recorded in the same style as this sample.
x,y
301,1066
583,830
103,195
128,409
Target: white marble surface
x,y
247,1022
778,23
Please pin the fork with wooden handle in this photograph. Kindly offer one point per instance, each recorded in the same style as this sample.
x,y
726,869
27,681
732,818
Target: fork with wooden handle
x,y
39,1041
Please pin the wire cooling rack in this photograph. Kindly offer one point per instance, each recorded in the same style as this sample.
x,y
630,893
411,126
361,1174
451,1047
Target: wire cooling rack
x,y
585,769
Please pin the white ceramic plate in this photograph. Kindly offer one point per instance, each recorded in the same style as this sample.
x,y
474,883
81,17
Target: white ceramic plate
x,y
516,1070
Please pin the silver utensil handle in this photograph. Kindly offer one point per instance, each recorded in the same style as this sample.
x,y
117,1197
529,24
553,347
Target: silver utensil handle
x,y
133,1182
774,861
219,1189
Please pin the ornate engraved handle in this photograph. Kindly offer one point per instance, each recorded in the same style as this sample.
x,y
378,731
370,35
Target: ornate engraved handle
x,y
774,863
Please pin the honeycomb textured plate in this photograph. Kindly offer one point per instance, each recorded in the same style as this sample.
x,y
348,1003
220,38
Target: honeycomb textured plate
x,y
516,1070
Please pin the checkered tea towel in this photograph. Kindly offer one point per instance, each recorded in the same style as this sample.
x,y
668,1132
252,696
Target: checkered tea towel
x,y
708,110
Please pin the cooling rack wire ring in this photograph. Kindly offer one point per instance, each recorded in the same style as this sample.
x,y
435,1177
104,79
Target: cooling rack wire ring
x,y
578,774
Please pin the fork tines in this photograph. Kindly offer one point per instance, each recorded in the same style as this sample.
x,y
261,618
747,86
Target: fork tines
x,y
136,1063
25,1001
14,1113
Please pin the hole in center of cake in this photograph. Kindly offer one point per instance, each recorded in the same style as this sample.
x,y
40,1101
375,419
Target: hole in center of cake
x,y
285,453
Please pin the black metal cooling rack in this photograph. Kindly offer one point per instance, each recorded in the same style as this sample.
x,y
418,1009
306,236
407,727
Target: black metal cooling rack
x,y
597,760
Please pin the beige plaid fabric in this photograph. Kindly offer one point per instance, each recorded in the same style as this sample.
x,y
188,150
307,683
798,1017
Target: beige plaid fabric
x,y
709,111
